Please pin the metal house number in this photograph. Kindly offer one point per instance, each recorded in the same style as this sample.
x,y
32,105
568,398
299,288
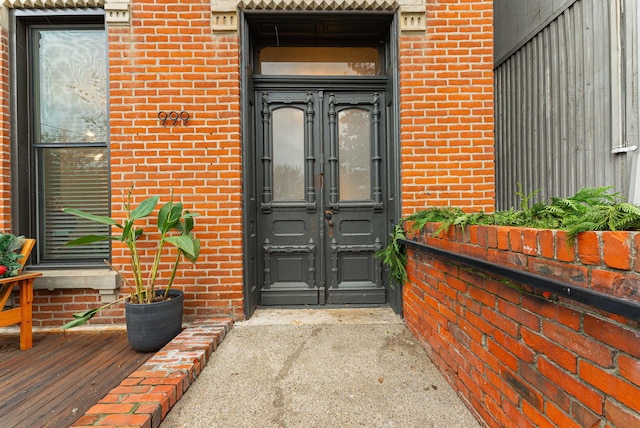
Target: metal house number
x,y
173,117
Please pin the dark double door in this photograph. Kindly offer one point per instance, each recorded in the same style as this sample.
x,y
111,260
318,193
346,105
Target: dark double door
x,y
320,160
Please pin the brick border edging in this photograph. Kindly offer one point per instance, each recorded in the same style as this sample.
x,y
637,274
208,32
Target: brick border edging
x,y
145,397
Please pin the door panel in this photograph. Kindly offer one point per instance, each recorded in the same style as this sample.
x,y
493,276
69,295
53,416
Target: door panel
x,y
322,215
356,229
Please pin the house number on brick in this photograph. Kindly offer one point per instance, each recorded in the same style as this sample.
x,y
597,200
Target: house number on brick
x,y
173,117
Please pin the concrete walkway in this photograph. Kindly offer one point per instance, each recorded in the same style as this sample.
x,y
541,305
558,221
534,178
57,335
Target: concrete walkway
x,y
320,368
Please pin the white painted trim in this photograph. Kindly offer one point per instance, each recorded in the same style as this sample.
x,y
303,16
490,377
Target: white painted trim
x,y
106,281
412,12
39,4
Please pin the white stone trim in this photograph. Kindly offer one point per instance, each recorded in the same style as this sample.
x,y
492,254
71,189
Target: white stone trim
x,y
40,4
223,21
117,12
224,15
106,281
413,20
319,4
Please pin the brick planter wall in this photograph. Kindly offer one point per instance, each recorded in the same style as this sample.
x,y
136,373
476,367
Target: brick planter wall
x,y
519,356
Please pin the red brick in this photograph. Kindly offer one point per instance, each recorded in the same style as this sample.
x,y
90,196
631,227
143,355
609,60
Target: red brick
x,y
559,417
120,420
548,388
622,338
584,416
530,241
506,291
629,369
110,408
515,239
580,344
620,416
616,250
503,355
492,237
87,420
507,258
589,248
481,236
603,280
546,242
502,323
636,264
591,398
564,251
482,296
518,314
552,311
625,392
553,352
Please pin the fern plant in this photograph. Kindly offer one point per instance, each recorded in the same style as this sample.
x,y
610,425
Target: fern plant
x,y
394,255
590,209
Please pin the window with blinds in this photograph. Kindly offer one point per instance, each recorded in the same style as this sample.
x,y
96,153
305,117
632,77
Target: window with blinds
x,y
70,145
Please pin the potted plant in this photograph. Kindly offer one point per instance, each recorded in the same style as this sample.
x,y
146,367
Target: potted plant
x,y
10,246
153,314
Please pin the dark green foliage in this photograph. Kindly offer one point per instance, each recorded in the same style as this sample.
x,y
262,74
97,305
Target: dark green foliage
x,y
394,256
10,246
590,209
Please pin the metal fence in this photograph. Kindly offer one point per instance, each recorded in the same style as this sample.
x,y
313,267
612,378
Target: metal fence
x,y
566,103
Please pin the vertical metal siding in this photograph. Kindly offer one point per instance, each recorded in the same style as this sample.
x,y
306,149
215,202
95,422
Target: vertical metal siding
x,y
554,109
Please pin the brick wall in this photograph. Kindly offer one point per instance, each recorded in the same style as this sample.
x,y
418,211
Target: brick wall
x,y
521,357
169,59
446,104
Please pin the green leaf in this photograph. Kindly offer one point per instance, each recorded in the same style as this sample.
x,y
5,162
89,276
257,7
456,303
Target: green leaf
x,y
97,218
81,318
88,239
188,244
187,226
163,217
145,208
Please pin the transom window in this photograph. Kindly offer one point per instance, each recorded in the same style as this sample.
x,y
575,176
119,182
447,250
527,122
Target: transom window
x,y
320,61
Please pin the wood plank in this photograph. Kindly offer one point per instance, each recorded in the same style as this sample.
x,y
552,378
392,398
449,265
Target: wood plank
x,y
62,376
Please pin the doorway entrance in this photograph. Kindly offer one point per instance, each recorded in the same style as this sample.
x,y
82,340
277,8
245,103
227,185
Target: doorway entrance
x,y
320,160
322,212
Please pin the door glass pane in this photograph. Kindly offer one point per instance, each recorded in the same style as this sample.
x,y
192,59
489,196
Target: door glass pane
x,y
320,61
74,178
71,86
288,154
354,152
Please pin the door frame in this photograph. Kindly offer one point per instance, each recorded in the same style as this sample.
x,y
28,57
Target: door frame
x,y
388,83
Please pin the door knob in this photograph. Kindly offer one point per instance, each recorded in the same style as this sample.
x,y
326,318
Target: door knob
x,y
328,216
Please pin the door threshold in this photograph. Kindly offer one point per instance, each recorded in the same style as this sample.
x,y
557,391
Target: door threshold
x,y
327,306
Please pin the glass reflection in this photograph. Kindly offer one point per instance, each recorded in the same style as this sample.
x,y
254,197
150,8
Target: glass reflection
x,y
319,61
288,154
354,153
72,83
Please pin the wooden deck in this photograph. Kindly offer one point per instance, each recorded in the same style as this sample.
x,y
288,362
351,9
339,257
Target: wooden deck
x,y
61,377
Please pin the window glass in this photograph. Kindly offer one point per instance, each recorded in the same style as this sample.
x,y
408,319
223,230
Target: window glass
x,y
354,154
320,61
73,178
288,154
70,93
72,86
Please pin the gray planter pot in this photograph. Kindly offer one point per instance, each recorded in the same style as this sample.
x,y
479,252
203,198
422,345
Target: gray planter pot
x,y
151,326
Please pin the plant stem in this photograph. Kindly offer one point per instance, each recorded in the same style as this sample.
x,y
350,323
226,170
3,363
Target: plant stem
x,y
173,274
